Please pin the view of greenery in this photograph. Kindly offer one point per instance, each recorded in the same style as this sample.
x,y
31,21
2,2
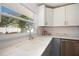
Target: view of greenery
x,y
9,21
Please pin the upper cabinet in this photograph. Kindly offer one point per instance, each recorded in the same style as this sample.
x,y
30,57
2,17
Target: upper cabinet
x,y
45,16
72,15
59,16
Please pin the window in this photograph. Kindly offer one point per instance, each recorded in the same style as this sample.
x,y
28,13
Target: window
x,y
16,23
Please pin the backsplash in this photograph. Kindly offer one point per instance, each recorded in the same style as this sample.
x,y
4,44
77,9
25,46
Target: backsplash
x,y
69,30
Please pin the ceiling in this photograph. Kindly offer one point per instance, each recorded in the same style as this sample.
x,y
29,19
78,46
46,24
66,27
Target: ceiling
x,y
53,5
34,6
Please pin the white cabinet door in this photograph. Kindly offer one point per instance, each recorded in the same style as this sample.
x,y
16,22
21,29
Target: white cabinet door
x,y
49,16
41,15
59,16
72,15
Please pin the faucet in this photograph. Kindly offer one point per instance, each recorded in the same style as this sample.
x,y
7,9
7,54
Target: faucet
x,y
30,34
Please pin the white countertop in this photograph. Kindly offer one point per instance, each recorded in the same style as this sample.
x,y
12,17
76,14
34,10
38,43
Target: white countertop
x,y
33,47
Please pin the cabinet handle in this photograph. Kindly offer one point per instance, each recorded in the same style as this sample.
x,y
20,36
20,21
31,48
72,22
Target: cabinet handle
x,y
64,22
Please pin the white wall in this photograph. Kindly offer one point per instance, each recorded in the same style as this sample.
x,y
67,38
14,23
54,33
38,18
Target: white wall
x,y
32,6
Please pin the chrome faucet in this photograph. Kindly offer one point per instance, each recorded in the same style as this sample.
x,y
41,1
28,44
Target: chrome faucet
x,y
30,34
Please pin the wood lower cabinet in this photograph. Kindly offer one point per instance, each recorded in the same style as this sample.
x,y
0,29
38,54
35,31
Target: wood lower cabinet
x,y
62,47
69,47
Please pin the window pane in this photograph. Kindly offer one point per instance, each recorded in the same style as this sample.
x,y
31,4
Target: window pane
x,y
11,25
